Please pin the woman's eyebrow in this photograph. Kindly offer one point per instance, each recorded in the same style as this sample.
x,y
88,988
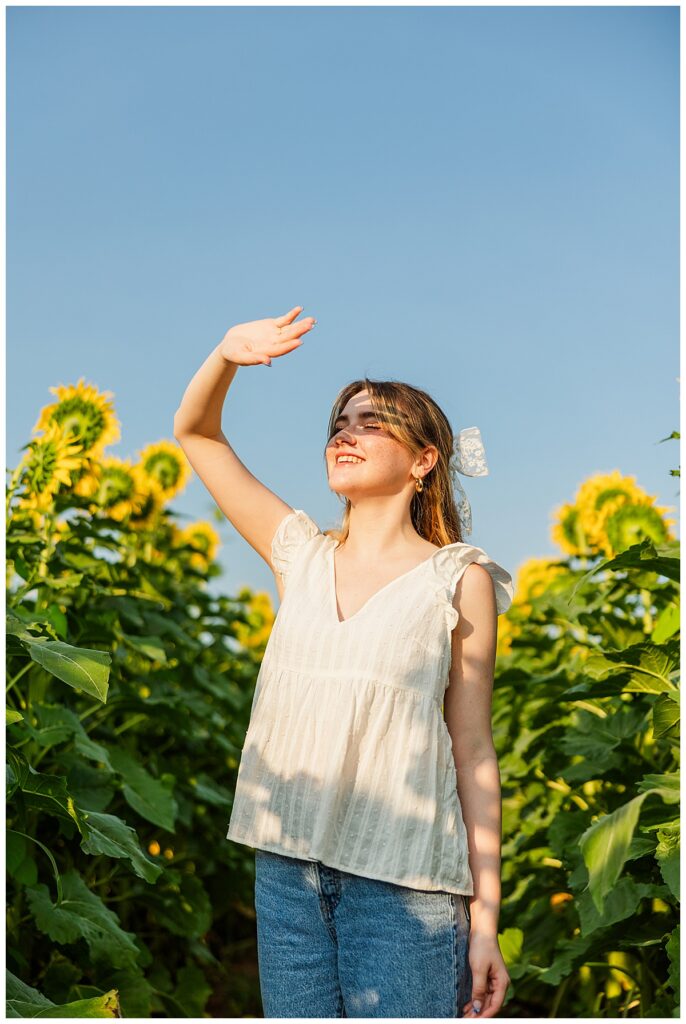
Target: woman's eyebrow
x,y
362,416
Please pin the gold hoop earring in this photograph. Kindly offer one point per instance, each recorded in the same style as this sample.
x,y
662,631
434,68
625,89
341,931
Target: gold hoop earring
x,y
418,484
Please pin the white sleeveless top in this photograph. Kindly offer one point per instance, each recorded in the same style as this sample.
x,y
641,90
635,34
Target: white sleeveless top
x,y
347,759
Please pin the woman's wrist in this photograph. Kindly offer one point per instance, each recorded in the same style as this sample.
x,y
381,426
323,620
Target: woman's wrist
x,y
484,915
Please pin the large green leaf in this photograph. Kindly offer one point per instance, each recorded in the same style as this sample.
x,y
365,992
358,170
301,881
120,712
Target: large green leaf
x,y
605,846
621,903
148,796
21,999
24,1001
646,557
109,835
82,915
84,669
645,667
667,786
49,793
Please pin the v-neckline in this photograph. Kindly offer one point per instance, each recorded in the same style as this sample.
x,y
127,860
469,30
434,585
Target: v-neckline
x,y
332,584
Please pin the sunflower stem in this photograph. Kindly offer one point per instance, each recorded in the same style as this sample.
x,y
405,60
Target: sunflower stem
x,y
13,484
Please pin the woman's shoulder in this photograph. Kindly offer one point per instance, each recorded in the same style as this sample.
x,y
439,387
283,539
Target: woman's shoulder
x,y
294,531
451,561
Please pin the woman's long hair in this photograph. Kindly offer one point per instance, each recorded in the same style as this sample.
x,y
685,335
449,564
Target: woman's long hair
x,y
413,418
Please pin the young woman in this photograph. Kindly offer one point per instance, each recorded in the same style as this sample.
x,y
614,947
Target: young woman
x,y
368,784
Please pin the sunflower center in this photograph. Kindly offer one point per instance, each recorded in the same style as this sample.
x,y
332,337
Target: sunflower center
x,y
161,467
116,485
80,418
631,523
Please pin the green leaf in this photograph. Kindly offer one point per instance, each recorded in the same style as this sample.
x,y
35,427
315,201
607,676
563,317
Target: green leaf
x,y
511,942
667,855
24,1001
645,556
106,1005
666,785
666,713
17,992
148,796
83,915
621,903
181,904
192,990
16,770
49,793
12,716
568,956
85,670
149,646
666,624
605,846
54,724
109,835
19,859
210,791
647,667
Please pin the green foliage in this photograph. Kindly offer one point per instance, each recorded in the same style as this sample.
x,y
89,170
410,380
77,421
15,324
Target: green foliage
x,y
586,719
128,700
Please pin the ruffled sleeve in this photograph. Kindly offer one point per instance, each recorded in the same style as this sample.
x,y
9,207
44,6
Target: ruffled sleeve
x,y
292,533
451,561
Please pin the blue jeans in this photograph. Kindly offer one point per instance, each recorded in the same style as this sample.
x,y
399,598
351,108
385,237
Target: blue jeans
x,y
334,944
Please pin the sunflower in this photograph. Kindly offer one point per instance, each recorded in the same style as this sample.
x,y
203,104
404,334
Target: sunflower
x,y
260,613
597,502
599,496
47,465
166,464
629,524
507,629
85,415
153,503
534,577
200,536
115,487
567,530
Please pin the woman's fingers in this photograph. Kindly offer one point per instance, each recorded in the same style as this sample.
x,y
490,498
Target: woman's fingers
x,y
289,332
287,318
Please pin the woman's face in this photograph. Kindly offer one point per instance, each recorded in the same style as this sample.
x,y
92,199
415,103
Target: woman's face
x,y
385,465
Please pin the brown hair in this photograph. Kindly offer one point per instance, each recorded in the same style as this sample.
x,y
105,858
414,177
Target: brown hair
x,y
413,418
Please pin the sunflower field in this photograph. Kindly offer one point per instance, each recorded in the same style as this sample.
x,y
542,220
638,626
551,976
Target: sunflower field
x,y
586,724
128,695
129,690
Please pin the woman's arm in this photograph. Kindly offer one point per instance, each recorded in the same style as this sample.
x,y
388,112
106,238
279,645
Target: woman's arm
x,y
467,709
252,508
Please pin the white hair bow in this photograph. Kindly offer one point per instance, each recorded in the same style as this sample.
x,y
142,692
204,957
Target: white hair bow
x,y
469,459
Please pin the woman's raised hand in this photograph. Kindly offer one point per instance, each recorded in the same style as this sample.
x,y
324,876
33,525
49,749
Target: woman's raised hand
x,y
259,341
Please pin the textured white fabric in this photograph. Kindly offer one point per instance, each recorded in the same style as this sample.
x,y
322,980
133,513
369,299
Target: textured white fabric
x,y
347,758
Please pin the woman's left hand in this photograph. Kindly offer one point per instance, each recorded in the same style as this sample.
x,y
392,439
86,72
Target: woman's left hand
x,y
489,976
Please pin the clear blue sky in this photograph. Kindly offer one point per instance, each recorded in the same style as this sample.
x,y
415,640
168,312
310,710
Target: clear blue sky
x,y
482,201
